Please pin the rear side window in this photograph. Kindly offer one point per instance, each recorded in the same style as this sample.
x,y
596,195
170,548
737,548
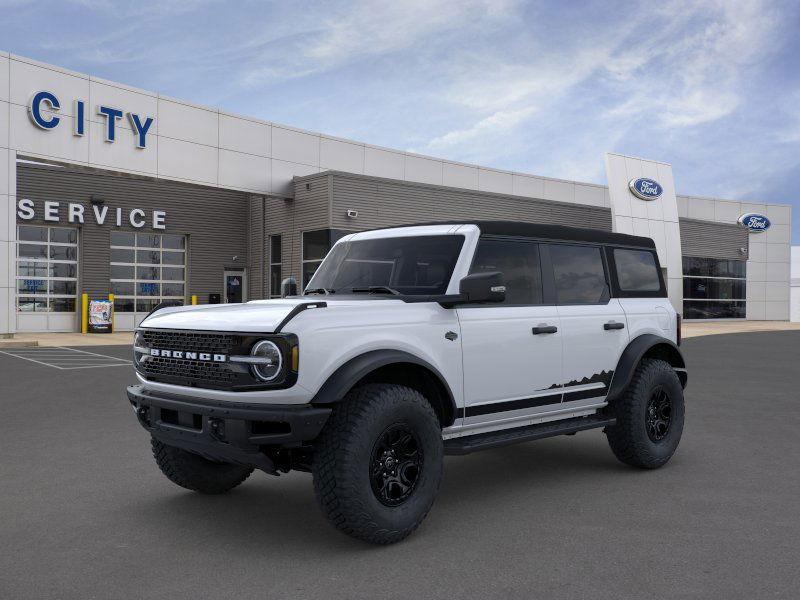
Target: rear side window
x,y
579,274
636,270
518,261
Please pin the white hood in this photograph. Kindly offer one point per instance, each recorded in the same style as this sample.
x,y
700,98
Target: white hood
x,y
260,316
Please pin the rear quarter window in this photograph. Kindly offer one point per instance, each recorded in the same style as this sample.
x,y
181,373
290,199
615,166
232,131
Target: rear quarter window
x,y
636,270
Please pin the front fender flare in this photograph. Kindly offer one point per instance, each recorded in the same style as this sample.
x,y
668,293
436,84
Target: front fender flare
x,y
350,373
647,344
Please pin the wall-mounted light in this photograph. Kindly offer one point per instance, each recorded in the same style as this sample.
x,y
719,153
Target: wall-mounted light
x,y
352,214
96,201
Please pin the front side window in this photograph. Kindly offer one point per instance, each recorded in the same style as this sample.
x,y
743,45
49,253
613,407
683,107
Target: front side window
x,y
416,265
147,269
579,274
47,269
518,261
636,270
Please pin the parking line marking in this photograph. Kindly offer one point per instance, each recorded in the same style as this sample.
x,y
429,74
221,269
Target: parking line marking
x,y
32,360
67,359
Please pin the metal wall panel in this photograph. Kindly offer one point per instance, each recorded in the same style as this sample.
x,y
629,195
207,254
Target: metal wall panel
x,y
215,220
386,202
255,249
713,240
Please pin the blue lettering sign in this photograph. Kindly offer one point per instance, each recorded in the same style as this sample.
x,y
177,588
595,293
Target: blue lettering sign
x,y
111,115
43,104
140,128
36,110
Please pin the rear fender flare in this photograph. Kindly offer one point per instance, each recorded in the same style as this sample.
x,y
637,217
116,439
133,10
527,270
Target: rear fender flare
x,y
644,346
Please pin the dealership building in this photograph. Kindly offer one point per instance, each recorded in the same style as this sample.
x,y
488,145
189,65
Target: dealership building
x,y
107,189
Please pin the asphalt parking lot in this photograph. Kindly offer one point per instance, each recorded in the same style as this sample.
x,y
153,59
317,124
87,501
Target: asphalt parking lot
x,y
86,513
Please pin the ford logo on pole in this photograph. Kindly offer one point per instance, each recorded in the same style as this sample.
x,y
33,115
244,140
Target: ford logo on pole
x,y
646,189
754,222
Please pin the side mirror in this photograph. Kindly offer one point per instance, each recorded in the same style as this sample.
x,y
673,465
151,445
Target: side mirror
x,y
483,287
288,287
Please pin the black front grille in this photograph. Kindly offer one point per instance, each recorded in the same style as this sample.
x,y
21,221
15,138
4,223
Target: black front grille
x,y
196,373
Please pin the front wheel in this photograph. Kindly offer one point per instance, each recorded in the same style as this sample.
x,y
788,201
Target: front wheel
x,y
649,416
378,463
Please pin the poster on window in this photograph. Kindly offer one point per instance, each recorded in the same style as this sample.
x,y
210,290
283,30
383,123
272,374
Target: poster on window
x,y
100,312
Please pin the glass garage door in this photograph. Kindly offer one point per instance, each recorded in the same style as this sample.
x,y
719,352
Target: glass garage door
x,y
46,278
146,269
714,288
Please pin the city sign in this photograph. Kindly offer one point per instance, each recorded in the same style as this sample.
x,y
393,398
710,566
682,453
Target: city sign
x,y
45,106
646,189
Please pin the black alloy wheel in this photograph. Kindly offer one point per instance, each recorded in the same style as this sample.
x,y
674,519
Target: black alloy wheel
x,y
395,465
658,415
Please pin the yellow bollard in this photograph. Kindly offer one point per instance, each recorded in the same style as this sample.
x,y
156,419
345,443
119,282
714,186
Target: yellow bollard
x,y
194,300
84,313
113,312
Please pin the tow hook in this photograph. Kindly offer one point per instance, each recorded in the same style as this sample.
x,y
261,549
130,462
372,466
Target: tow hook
x,y
217,428
143,414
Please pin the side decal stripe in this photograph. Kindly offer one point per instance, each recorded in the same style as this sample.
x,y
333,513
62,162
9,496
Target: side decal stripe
x,y
485,409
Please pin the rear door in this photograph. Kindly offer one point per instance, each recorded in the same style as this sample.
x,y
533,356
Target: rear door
x,y
512,351
593,325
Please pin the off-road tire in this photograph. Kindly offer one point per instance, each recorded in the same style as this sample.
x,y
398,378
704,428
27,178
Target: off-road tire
x,y
193,472
628,438
344,454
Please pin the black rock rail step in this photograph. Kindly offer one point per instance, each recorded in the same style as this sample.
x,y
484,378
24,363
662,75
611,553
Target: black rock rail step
x,y
505,437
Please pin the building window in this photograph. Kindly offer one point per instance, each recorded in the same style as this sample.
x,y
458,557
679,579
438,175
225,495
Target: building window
x,y
714,288
315,246
47,269
147,269
275,265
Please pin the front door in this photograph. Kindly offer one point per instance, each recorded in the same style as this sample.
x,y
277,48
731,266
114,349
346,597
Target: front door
x,y
512,352
234,286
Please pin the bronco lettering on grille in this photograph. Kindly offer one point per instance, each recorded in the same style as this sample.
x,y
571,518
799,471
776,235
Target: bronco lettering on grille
x,y
204,356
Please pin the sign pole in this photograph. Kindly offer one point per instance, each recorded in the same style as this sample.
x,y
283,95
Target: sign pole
x,y
113,312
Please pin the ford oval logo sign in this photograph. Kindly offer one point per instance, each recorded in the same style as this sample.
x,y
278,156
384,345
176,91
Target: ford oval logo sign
x,y
646,189
754,222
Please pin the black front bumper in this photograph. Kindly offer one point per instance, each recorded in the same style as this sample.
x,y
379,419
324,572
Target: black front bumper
x,y
234,432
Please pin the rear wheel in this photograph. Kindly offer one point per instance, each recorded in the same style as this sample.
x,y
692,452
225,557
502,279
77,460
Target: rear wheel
x,y
378,463
649,416
193,472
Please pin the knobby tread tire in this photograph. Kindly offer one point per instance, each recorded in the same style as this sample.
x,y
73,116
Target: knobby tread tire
x,y
628,437
194,472
341,463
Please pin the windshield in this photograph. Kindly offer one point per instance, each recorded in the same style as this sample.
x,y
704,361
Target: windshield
x,y
418,265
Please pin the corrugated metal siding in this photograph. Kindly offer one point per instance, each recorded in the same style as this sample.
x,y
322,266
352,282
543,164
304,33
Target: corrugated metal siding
x,y
215,220
255,249
384,202
311,212
713,240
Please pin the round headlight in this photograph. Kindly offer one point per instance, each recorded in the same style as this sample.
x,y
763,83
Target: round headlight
x,y
269,367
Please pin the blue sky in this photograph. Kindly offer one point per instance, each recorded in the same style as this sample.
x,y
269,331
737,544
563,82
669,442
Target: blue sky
x,y
540,87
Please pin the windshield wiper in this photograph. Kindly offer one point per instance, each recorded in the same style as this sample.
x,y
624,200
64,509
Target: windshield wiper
x,y
324,291
376,289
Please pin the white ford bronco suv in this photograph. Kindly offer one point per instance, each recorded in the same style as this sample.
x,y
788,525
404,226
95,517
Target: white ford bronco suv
x,y
411,343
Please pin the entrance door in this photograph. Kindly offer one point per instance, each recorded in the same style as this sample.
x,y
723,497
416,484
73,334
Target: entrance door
x,y
512,352
235,286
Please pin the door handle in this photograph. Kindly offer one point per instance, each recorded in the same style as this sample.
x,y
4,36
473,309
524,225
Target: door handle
x,y
609,326
544,329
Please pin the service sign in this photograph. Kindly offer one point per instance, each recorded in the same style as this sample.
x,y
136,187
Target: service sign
x,y
754,222
645,189
100,312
